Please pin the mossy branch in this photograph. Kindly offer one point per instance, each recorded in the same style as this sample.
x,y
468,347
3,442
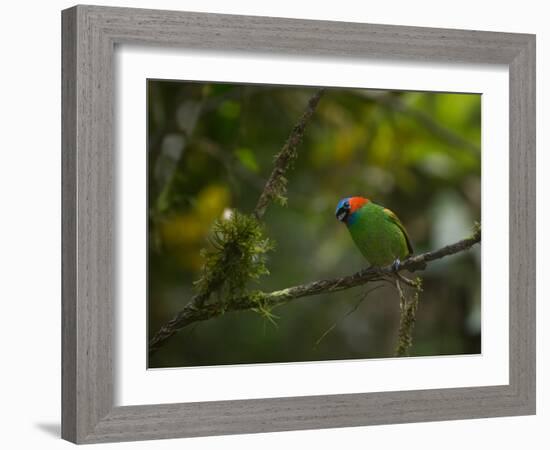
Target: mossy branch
x,y
275,187
407,318
194,311
238,245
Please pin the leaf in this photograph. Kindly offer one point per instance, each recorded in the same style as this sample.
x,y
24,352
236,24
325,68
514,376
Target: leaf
x,y
230,109
247,159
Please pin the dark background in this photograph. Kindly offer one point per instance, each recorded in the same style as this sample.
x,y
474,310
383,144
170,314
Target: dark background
x,y
211,148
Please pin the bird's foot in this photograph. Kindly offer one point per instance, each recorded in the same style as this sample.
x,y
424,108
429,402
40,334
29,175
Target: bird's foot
x,y
396,265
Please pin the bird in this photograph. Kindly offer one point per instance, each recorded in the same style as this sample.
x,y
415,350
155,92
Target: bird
x,y
376,231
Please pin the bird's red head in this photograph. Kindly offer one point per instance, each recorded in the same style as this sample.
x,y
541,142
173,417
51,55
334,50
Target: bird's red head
x,y
347,206
357,202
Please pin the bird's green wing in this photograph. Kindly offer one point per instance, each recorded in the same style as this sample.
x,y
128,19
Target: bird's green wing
x,y
395,220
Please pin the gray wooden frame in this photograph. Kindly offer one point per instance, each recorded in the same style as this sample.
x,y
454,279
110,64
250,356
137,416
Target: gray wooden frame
x,y
89,36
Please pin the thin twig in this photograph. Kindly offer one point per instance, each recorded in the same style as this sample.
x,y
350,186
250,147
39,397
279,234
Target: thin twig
x,y
405,280
401,294
351,311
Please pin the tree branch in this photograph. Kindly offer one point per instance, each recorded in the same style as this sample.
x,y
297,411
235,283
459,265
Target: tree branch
x,y
194,311
275,187
407,317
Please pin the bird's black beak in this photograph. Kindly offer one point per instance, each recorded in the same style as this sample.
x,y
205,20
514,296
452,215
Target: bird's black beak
x,y
342,214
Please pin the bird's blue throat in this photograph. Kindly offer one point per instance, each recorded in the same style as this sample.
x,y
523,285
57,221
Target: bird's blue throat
x,y
352,218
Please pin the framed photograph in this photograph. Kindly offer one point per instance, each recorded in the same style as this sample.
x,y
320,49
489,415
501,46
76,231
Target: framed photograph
x,y
278,224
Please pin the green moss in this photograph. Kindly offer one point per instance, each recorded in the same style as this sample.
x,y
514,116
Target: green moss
x,y
476,230
278,190
236,254
262,307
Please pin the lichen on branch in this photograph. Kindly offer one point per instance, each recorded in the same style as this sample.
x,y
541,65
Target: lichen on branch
x,y
275,187
266,301
407,306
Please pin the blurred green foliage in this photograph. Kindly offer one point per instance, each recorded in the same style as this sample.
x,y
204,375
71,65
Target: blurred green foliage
x,y
210,151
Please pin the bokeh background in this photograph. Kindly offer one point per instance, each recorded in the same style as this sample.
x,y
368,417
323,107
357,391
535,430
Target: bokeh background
x,y
211,148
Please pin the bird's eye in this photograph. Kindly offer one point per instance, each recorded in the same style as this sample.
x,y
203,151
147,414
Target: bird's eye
x,y
346,205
